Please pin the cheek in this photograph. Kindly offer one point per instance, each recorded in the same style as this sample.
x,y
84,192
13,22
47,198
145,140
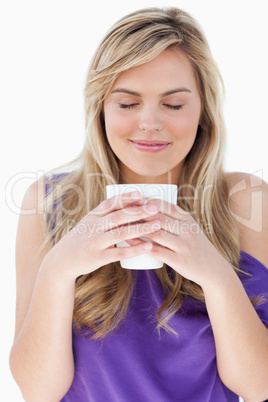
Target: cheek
x,y
117,125
184,127
109,120
188,123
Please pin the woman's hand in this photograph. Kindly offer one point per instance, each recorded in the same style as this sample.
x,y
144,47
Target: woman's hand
x,y
91,243
181,243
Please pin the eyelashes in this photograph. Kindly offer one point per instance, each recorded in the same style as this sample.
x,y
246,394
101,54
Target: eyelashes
x,y
133,105
175,107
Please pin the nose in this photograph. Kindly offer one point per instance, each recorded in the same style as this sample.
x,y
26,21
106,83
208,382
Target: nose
x,y
150,120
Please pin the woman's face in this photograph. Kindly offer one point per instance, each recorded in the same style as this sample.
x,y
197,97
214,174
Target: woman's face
x,y
151,117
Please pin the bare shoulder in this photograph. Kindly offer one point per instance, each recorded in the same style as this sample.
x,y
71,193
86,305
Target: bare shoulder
x,y
248,196
30,249
31,214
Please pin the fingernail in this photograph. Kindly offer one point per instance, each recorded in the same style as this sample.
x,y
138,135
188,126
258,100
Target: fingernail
x,y
147,246
151,208
143,201
155,226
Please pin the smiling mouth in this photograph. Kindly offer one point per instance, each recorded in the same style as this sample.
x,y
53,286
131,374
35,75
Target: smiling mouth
x,y
149,145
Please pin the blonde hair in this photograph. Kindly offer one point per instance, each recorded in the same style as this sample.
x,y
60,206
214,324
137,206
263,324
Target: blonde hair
x,y
102,297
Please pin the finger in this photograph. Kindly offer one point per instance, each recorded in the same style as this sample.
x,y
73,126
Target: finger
x,y
164,239
120,253
177,226
169,209
124,233
134,242
128,215
117,202
164,254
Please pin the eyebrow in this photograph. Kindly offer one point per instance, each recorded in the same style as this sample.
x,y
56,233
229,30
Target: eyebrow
x,y
171,92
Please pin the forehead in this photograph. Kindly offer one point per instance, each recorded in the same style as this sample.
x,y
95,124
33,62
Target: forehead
x,y
170,68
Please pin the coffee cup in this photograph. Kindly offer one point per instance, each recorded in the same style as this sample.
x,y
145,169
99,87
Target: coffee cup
x,y
165,192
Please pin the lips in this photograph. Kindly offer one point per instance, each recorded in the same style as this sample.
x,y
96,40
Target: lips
x,y
150,145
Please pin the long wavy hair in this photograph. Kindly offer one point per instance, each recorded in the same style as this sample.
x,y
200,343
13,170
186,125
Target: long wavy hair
x,y
102,297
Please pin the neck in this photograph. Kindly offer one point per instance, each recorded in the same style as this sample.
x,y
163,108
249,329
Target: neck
x,y
167,178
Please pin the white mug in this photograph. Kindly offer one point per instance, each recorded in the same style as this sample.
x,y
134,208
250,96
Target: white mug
x,y
166,192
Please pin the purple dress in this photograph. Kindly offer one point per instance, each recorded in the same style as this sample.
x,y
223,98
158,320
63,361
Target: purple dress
x,y
137,364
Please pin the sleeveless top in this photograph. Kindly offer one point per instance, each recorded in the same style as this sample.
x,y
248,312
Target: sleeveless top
x,y
137,363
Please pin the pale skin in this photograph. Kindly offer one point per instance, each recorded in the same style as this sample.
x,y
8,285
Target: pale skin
x,y
41,358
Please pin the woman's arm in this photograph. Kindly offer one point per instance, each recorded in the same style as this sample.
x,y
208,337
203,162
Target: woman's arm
x,y
240,336
41,358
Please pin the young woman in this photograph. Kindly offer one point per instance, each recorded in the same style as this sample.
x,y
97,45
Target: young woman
x,y
194,330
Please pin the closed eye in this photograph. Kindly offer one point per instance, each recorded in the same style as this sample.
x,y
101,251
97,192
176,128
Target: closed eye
x,y
124,106
132,105
175,107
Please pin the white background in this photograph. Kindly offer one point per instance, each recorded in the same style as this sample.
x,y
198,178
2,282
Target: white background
x,y
45,51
